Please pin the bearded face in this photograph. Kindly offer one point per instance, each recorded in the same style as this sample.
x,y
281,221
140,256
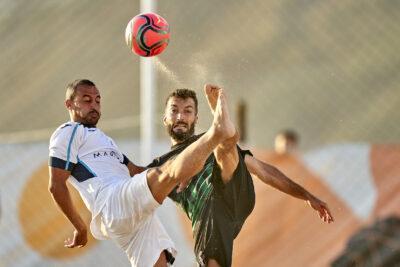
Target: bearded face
x,y
180,118
85,107
180,131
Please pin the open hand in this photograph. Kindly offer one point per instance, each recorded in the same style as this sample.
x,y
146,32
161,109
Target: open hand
x,y
322,208
79,240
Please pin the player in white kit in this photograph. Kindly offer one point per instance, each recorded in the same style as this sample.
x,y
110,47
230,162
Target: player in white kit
x,y
121,196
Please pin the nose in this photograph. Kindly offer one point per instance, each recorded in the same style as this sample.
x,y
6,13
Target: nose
x,y
179,116
95,105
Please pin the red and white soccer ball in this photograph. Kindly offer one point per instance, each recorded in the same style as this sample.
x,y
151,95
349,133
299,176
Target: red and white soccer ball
x,y
147,34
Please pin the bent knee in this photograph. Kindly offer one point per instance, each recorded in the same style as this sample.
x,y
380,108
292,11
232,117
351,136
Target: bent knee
x,y
232,141
160,183
227,158
228,163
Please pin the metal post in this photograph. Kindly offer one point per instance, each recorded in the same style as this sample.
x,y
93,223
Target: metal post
x,y
147,98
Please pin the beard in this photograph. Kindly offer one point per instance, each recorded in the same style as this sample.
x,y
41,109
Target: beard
x,y
180,136
91,118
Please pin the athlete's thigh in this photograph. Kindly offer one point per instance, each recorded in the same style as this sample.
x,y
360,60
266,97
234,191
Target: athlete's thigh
x,y
130,203
227,160
160,181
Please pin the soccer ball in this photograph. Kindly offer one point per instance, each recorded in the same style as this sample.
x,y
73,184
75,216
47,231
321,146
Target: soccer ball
x,y
147,34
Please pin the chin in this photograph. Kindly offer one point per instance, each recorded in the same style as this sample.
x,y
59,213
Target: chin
x,y
92,123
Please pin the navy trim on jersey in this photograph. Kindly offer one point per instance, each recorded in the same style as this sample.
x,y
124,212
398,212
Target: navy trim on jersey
x,y
61,164
69,146
80,171
66,125
126,160
87,167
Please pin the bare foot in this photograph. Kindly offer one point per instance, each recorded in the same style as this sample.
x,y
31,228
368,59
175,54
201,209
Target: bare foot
x,y
212,92
224,127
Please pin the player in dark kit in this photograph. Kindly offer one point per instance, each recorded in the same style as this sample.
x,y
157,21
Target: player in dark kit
x,y
217,210
221,196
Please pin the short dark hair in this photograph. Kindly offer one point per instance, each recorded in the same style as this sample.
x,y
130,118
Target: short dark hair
x,y
73,86
184,94
290,134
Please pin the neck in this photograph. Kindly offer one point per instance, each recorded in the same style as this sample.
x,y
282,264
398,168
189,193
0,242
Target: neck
x,y
84,123
175,142
89,125
72,118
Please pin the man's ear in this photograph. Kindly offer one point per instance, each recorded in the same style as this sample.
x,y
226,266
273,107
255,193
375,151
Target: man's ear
x,y
68,104
164,120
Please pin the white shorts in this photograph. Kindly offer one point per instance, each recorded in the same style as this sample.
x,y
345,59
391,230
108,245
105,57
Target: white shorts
x,y
129,219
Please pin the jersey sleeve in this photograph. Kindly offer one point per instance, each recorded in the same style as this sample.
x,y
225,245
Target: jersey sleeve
x,y
244,152
125,160
155,163
64,146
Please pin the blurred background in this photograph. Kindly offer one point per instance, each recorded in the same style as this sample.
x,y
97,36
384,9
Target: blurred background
x,y
328,70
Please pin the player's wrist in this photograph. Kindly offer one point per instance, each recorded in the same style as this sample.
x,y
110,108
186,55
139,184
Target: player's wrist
x,y
309,197
81,229
80,225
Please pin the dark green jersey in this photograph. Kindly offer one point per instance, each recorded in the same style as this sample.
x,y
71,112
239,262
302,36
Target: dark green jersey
x,y
193,199
217,210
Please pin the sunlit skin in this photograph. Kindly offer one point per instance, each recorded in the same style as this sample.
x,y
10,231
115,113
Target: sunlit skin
x,y
85,107
180,118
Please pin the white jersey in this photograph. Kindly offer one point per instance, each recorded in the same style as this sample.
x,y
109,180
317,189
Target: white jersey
x,y
92,157
122,207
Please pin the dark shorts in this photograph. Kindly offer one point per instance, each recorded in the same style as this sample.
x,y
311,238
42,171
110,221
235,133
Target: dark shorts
x,y
229,206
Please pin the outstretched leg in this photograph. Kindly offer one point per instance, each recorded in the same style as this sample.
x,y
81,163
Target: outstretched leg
x,y
225,153
188,163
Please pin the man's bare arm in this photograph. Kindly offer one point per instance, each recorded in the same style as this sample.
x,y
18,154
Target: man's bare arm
x,y
275,178
60,193
134,169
